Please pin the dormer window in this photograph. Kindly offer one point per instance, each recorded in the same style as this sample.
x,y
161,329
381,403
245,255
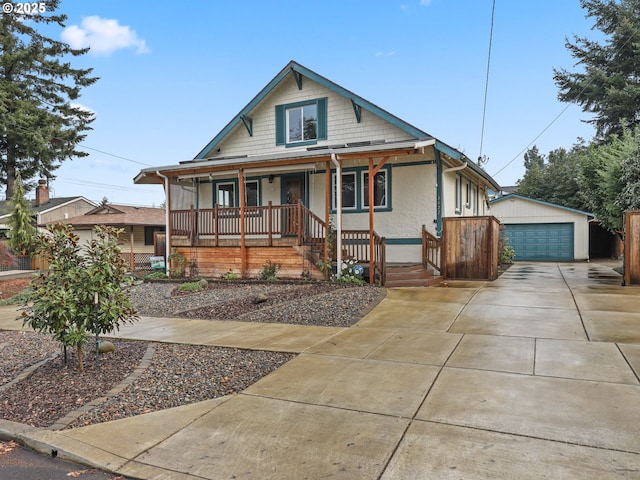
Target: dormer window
x,y
301,123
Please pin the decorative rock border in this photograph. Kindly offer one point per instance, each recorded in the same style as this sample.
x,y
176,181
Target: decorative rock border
x,y
72,416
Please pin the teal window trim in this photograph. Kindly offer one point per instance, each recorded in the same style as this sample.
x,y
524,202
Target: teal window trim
x,y
281,122
360,207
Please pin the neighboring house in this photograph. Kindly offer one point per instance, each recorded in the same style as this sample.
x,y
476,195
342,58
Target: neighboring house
x,y
46,210
303,153
543,231
139,223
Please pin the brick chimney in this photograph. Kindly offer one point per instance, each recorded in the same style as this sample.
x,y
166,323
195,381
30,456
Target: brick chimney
x,y
42,192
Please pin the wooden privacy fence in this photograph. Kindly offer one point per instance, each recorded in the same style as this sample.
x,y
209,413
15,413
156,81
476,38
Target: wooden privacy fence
x,y
470,248
632,248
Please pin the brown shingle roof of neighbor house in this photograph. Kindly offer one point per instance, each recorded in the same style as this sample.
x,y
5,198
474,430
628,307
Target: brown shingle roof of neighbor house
x,y
119,216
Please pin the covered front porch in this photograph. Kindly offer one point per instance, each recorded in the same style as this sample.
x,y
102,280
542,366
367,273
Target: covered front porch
x,y
262,210
239,240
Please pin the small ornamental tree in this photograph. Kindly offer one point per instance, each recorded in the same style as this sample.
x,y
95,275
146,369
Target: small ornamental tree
x,y
63,298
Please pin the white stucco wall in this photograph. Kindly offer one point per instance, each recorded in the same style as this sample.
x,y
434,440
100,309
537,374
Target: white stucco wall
x,y
519,210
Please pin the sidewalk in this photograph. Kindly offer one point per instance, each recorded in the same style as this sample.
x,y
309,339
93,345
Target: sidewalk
x,y
533,375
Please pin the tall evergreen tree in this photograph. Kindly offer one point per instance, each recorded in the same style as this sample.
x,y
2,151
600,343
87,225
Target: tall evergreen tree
x,y
22,232
40,126
609,85
556,179
610,178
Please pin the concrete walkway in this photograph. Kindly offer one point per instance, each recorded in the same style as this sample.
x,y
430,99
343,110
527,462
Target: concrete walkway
x,y
534,375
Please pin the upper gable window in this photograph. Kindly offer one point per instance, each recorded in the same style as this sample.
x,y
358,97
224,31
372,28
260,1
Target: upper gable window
x,y
301,123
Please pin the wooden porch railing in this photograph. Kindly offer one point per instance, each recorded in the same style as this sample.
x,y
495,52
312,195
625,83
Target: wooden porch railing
x,y
217,222
430,250
275,220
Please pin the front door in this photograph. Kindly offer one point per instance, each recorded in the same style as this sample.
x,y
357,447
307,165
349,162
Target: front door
x,y
292,193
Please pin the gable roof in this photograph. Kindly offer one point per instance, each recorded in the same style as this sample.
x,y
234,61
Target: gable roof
x,y
418,140
118,216
56,202
299,72
541,202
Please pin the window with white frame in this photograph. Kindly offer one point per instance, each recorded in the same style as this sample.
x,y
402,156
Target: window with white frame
x,y
226,195
348,190
380,188
302,123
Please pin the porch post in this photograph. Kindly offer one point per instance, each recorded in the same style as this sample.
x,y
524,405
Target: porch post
x,y
131,241
372,260
327,208
243,246
372,173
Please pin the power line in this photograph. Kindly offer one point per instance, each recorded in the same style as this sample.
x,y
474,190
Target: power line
x,y
586,85
87,147
486,83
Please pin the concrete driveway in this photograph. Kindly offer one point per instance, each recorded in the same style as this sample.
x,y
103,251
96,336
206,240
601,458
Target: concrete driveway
x,y
534,375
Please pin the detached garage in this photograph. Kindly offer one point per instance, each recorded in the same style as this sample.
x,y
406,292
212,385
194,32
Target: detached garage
x,y
542,231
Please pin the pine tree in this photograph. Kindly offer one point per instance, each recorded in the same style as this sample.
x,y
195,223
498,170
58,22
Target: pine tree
x,y
40,126
23,232
609,85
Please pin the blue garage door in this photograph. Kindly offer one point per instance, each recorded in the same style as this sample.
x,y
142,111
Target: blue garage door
x,y
542,241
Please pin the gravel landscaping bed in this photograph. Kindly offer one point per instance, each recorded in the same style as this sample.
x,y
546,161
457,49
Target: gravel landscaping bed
x,y
160,376
324,304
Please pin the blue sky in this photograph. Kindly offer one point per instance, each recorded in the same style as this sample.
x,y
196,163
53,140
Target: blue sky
x,y
172,75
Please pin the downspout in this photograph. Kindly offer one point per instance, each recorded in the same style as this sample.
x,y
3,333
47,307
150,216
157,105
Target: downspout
x,y
166,222
339,214
438,194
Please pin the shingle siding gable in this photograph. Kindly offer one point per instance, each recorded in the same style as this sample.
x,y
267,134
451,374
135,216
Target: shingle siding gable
x,y
342,125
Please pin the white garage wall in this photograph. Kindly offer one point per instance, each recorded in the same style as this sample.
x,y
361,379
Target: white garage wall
x,y
515,209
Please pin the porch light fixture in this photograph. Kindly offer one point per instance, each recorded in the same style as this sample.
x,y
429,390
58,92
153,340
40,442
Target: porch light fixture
x,y
271,177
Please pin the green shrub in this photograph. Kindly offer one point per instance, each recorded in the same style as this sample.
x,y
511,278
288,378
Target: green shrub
x,y
230,276
351,273
155,276
190,287
270,270
507,255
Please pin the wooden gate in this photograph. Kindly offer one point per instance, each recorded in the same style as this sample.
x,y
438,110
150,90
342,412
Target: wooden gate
x,y
632,248
470,248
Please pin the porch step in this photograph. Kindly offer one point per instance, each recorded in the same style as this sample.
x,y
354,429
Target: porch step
x,y
410,275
